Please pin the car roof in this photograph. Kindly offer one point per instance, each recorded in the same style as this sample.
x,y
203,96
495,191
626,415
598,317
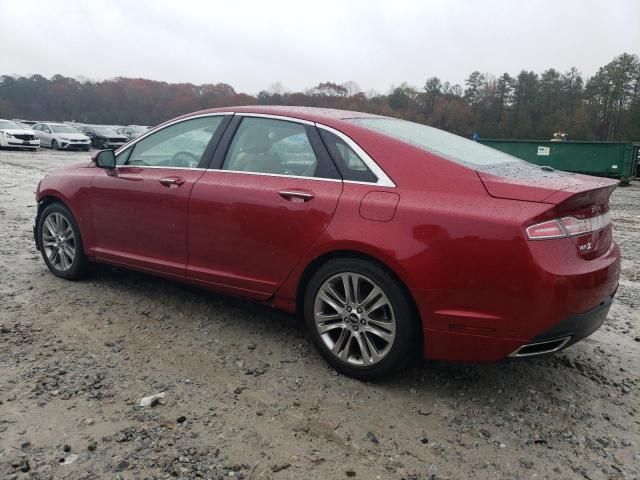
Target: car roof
x,y
313,114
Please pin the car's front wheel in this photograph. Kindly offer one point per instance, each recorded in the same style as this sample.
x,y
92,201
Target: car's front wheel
x,y
60,242
360,318
54,145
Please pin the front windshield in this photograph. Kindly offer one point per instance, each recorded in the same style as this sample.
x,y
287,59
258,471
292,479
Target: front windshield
x,y
104,131
7,125
64,129
452,147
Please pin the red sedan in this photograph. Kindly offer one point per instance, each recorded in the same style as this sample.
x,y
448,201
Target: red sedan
x,y
391,238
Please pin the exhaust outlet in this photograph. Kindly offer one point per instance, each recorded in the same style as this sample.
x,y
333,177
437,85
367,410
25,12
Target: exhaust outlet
x,y
541,348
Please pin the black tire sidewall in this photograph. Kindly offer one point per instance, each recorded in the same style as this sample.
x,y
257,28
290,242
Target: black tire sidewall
x,y
407,322
79,265
54,145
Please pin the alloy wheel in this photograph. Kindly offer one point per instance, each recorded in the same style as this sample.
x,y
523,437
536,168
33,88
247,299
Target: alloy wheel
x,y
355,319
58,241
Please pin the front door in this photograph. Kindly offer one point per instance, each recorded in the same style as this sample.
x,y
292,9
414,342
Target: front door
x,y
253,218
139,209
45,135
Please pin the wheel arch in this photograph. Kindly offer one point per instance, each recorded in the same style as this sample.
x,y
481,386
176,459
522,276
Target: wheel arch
x,y
49,198
313,266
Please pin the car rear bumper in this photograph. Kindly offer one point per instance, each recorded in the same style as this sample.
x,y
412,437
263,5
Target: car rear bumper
x,y
566,333
561,302
468,347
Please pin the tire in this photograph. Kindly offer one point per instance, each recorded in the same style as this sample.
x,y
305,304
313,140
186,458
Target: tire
x,y
391,330
54,145
87,149
55,220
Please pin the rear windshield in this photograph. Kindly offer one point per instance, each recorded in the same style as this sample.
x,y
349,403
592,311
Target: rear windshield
x,y
453,147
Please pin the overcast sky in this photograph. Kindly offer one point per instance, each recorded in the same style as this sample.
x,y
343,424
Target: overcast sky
x,y
252,44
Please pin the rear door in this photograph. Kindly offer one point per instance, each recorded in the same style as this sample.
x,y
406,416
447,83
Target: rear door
x,y
271,192
139,209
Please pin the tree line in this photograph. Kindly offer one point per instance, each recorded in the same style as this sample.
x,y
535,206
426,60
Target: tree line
x,y
527,105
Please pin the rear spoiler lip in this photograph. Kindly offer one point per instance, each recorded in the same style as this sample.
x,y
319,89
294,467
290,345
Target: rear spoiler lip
x,y
508,188
602,188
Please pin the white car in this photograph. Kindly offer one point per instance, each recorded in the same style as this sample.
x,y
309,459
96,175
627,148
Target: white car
x,y
61,136
17,136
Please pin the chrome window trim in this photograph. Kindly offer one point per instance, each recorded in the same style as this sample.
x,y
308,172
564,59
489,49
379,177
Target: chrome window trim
x,y
130,144
339,180
383,178
275,117
159,166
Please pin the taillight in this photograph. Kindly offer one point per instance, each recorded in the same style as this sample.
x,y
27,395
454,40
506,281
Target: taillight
x,y
550,229
568,227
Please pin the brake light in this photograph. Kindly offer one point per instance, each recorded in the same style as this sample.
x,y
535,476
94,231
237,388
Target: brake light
x,y
550,229
568,227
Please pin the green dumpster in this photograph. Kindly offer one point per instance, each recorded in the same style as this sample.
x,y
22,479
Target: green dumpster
x,y
603,159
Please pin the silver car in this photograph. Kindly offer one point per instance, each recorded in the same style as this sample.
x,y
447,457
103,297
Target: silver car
x,y
61,136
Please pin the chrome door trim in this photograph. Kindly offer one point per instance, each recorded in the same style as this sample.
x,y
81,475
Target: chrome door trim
x,y
339,180
159,166
165,125
383,178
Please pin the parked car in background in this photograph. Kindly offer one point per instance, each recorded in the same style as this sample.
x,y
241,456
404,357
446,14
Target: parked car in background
x,y
61,136
104,137
25,122
17,135
389,237
133,131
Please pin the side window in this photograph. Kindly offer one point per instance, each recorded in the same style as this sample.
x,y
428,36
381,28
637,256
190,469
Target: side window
x,y
45,128
179,145
123,157
263,145
349,163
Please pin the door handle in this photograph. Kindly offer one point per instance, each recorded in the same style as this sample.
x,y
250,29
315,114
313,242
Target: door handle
x,y
172,181
295,195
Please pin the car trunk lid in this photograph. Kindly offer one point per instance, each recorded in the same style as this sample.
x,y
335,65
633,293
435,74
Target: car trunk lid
x,y
526,182
578,204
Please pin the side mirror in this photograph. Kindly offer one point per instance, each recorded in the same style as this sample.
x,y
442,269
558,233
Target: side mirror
x,y
105,159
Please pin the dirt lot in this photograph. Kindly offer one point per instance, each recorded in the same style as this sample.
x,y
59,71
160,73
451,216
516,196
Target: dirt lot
x,y
247,396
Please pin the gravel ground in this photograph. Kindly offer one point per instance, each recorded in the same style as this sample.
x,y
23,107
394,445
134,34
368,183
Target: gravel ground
x,y
247,396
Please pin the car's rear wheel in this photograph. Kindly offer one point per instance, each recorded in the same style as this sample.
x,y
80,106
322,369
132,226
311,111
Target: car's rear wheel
x,y
60,242
54,145
360,318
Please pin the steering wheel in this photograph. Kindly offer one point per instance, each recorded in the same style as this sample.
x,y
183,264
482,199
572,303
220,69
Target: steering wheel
x,y
185,159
